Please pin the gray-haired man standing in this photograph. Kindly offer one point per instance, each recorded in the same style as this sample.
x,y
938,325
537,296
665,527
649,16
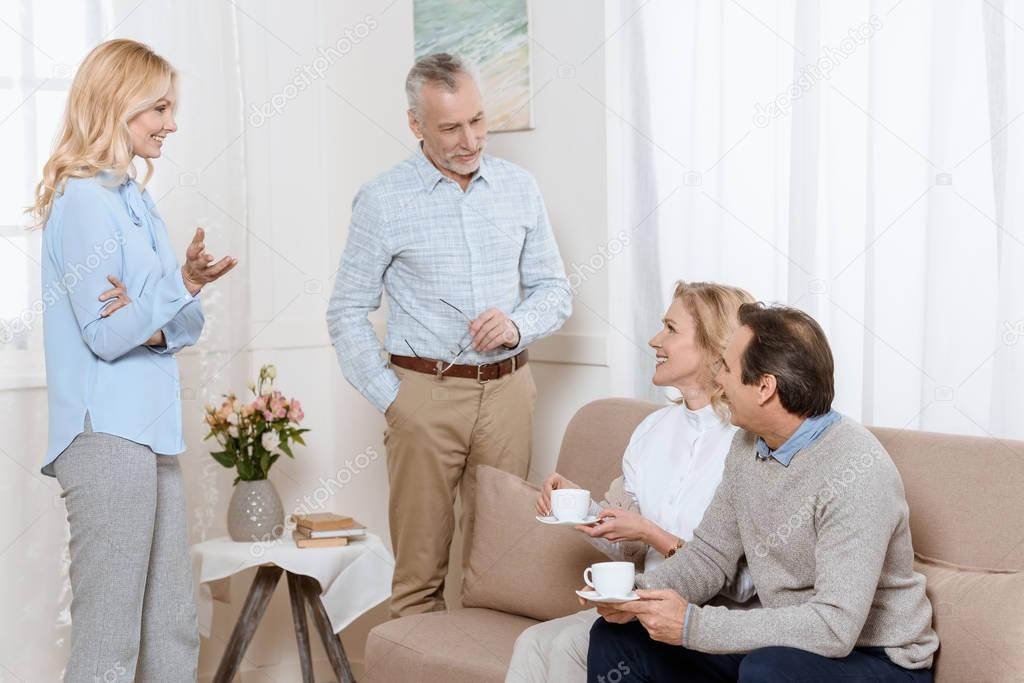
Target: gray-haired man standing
x,y
461,242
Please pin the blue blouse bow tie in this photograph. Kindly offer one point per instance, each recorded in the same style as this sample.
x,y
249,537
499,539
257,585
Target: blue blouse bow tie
x,y
133,202
130,194
138,211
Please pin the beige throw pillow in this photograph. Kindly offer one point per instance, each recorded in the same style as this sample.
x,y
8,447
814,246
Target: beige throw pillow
x,y
979,616
516,564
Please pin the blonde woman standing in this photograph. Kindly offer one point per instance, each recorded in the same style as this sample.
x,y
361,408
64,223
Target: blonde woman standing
x,y
118,308
671,468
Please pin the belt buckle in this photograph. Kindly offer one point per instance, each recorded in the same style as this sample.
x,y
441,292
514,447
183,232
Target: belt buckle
x,y
479,370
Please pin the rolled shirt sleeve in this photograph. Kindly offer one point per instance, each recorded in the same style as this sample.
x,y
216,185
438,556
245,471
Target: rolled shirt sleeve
x,y
88,225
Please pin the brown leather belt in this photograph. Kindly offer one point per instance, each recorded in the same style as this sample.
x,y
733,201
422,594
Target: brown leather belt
x,y
481,373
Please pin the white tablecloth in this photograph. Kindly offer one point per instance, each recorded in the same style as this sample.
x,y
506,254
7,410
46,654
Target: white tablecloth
x,y
354,578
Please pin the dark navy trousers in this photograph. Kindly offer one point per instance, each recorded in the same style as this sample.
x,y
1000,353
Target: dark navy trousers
x,y
625,653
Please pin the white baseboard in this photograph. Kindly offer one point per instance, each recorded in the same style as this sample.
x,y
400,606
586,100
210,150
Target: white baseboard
x,y
561,347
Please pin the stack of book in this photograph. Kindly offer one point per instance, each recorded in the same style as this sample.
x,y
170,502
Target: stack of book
x,y
325,530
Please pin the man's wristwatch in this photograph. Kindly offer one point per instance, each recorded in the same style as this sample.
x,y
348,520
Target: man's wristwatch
x,y
673,549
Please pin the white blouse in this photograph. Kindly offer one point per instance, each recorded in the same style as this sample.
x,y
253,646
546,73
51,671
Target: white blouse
x,y
671,469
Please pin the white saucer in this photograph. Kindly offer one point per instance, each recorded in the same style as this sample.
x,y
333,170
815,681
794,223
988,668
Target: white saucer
x,y
594,596
551,519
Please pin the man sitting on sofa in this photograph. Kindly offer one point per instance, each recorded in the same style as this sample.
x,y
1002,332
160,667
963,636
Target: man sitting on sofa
x,y
816,505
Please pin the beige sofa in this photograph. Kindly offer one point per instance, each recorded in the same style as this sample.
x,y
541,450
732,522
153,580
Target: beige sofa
x,y
965,496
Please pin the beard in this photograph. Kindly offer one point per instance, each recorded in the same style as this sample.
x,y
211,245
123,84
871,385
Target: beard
x,y
454,165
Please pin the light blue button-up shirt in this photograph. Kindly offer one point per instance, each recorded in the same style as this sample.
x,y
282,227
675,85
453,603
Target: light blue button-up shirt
x,y
809,431
416,234
98,227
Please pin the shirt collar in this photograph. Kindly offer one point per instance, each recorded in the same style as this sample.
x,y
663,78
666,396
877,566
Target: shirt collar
x,y
109,176
806,434
431,176
701,419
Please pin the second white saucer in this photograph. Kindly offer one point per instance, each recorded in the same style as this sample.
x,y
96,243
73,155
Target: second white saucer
x,y
594,596
551,519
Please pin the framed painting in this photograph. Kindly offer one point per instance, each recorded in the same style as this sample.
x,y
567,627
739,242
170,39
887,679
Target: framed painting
x,y
495,35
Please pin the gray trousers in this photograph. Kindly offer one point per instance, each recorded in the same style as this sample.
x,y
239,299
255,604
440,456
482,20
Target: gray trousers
x,y
133,615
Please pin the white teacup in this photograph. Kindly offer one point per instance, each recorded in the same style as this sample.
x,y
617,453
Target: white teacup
x,y
611,579
570,505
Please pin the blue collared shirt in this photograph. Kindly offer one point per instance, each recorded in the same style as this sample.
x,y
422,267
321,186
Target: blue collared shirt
x,y
417,235
101,366
809,431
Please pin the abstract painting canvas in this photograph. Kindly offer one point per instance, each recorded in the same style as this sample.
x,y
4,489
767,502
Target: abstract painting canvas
x,y
496,36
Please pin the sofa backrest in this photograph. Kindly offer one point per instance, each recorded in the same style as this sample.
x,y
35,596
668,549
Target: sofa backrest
x,y
595,440
966,493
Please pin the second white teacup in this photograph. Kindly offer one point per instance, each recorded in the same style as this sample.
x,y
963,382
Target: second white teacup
x,y
570,505
611,579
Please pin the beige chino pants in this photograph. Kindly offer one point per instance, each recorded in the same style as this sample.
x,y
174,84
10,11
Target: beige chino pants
x,y
438,431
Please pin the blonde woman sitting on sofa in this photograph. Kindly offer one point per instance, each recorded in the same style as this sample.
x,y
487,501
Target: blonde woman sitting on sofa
x,y
671,468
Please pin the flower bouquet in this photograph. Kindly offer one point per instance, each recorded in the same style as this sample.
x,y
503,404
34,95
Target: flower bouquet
x,y
253,435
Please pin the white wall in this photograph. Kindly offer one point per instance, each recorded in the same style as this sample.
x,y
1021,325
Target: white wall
x,y
302,222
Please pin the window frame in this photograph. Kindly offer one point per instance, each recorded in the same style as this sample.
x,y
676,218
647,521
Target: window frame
x,y
22,368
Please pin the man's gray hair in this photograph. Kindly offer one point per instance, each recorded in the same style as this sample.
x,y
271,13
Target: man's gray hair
x,y
439,68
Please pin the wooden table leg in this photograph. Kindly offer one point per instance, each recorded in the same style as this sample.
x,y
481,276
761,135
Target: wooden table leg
x,y
301,629
255,604
332,643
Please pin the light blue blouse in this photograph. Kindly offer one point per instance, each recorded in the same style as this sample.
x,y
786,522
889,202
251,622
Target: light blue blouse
x,y
98,227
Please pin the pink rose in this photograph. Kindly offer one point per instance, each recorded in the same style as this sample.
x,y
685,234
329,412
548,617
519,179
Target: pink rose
x,y
295,411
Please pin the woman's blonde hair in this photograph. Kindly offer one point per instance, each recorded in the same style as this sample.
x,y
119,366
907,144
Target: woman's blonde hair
x,y
118,80
715,312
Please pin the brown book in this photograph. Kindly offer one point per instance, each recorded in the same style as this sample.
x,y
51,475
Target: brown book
x,y
303,541
333,529
323,521
334,533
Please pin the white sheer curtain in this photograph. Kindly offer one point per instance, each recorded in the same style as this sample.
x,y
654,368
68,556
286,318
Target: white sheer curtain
x,y
200,180
859,160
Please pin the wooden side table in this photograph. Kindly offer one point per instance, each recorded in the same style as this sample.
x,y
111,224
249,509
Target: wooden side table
x,y
303,593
